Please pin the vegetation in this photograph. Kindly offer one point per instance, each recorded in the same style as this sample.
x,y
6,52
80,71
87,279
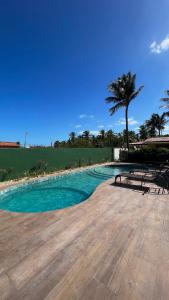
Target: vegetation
x,y
143,132
72,136
103,139
153,127
123,92
148,154
4,173
38,169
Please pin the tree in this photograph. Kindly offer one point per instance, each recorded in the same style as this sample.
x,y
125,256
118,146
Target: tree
x,y
72,136
160,122
166,103
123,91
102,134
86,134
151,126
109,135
143,133
56,144
156,124
131,134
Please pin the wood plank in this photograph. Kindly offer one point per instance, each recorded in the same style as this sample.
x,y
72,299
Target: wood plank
x,y
113,246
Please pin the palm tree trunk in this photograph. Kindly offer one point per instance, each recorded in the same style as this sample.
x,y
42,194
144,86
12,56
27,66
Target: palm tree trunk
x,y
127,129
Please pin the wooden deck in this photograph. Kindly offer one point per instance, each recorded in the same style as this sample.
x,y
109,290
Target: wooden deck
x,y
113,246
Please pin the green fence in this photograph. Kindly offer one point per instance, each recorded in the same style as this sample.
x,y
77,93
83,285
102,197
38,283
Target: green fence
x,y
22,160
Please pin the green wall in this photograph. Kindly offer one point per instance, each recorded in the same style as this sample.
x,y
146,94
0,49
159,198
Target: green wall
x,y
22,160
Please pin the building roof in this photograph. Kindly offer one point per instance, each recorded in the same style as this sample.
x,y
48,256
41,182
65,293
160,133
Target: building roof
x,y
137,143
159,139
154,140
9,145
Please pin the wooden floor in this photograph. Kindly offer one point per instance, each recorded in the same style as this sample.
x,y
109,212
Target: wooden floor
x,y
114,246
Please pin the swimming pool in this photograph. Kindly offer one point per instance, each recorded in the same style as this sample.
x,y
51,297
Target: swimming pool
x,y
56,192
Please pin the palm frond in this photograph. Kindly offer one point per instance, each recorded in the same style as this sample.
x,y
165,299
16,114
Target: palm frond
x,y
167,92
116,89
164,106
116,107
136,93
165,99
166,114
112,99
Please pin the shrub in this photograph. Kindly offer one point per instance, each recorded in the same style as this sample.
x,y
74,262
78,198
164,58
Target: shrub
x,y
4,173
39,168
148,154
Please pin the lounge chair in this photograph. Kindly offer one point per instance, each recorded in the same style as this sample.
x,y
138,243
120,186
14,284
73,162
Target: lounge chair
x,y
147,177
137,177
162,182
152,170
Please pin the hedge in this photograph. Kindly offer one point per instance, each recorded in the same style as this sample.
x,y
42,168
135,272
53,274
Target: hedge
x,y
144,155
20,161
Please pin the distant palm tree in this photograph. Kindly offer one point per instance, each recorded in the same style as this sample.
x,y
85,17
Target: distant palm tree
x,y
160,122
156,123
151,126
110,136
86,134
109,133
166,103
123,92
102,134
72,136
143,134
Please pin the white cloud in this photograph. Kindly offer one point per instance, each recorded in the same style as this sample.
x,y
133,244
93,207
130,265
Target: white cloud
x,y
78,126
109,126
94,132
82,116
100,126
131,121
160,47
85,116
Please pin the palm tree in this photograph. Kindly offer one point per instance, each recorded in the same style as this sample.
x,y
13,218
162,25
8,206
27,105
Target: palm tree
x,y
156,123
102,134
123,92
86,134
109,137
166,103
72,136
143,134
151,126
132,135
160,122
56,144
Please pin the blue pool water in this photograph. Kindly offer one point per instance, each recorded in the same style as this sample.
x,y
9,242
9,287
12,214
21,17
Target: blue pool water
x,y
56,192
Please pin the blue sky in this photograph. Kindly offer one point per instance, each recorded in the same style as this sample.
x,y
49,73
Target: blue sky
x,y
57,58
